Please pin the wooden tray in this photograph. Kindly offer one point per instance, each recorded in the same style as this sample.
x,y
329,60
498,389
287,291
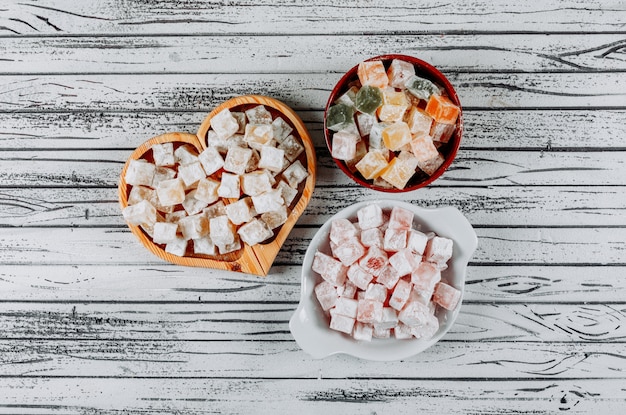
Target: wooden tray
x,y
255,259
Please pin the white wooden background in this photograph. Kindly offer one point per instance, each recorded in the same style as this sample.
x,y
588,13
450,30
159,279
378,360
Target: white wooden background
x,y
92,323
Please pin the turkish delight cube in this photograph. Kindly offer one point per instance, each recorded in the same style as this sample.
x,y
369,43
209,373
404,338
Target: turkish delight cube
x,y
211,160
185,154
442,110
221,230
237,159
376,136
396,135
162,173
372,237
404,261
425,277
348,97
446,296
287,192
369,311
241,120
344,145
376,291
400,294
295,174
326,294
229,187
421,88
394,239
349,251
192,205
259,115
339,116
438,250
331,269
175,216
292,148
268,201
216,209
423,148
402,332
397,173
341,323
224,124
258,135
206,190
218,143
389,276
275,218
363,331
281,128
139,173
365,122
373,73
361,151
194,226
171,192
253,164
204,246
416,241
191,173
418,121
142,213
163,154
399,72
231,247
389,319
346,307
400,218
254,232
177,247
372,164
139,193
164,232
370,216
441,132
342,229
381,332
272,158
427,329
359,277
348,290
430,166
256,182
239,212
374,260
414,314
368,99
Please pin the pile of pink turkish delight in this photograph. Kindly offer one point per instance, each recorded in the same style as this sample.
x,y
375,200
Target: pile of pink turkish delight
x,y
382,277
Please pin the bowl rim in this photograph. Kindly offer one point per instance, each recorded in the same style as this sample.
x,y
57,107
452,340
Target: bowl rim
x,y
310,328
426,68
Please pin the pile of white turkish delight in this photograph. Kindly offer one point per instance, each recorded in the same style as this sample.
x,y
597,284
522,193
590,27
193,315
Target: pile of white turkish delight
x,y
383,276
239,189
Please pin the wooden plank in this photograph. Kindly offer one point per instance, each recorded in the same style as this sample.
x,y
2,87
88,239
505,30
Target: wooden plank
x,y
121,17
167,283
513,246
301,91
322,53
483,205
308,396
123,359
253,321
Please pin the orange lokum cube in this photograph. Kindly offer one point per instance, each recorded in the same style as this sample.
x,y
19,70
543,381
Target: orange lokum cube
x,y
373,73
396,135
442,109
398,173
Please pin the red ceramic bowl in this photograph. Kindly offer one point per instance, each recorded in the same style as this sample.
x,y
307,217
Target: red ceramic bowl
x,y
448,150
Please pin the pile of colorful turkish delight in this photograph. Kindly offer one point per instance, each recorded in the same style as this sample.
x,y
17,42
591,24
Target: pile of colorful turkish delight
x,y
239,189
383,276
391,124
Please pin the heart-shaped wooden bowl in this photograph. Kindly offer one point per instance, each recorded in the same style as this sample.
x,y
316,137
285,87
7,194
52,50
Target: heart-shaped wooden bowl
x,y
255,259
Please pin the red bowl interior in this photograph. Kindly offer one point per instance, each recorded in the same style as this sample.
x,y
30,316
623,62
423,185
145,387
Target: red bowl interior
x,y
425,70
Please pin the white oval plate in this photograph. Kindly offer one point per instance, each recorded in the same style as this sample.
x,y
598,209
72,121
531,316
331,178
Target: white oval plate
x,y
309,325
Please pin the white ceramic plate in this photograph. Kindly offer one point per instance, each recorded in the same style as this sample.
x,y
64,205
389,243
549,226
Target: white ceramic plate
x,y
309,325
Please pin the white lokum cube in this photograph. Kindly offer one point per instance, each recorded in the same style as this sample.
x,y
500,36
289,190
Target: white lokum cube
x,y
281,129
292,148
363,331
215,141
427,329
229,188
224,124
241,120
237,160
254,232
329,268
365,122
370,216
139,173
344,145
232,247
239,212
139,193
346,307
287,192
272,158
216,209
206,190
259,115
257,135
142,213
163,154
268,201
162,173
211,160
221,231
204,246
177,247
174,217
171,192
191,173
194,226
164,232
295,174
402,332
256,182
192,205
275,218
185,154
341,323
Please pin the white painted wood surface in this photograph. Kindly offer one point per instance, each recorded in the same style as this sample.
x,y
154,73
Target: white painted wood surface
x,y
92,323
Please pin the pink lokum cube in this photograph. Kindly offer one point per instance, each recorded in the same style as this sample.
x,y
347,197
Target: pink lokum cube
x,y
342,229
395,239
341,323
402,332
427,329
326,295
370,216
372,237
363,331
346,307
389,319
438,251
424,277
359,277
400,218
374,261
329,268
414,314
400,294
399,73
344,145
389,276
417,241
376,292
348,290
381,332
349,251
369,311
404,261
446,296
